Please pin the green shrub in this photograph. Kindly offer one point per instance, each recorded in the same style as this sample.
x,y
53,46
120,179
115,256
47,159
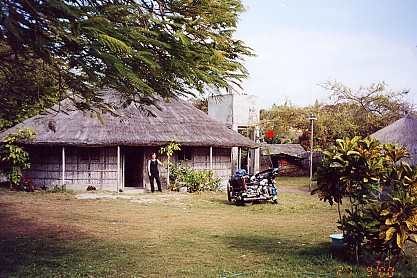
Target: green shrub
x,y
194,180
59,188
357,169
13,157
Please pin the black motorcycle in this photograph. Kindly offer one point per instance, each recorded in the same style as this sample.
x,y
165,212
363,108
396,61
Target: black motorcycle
x,y
243,189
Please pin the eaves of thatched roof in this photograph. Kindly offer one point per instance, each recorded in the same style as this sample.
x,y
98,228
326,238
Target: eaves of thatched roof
x,y
295,150
175,120
402,132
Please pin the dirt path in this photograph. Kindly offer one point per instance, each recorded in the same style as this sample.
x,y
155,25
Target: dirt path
x,y
136,198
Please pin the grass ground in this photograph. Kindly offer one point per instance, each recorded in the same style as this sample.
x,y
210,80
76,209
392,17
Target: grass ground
x,y
175,235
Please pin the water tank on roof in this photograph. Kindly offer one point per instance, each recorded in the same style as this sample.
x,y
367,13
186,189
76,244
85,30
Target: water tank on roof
x,y
234,110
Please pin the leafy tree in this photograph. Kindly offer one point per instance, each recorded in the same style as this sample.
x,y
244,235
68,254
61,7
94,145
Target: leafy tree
x,y
143,49
286,121
273,140
352,113
169,151
200,103
39,91
370,108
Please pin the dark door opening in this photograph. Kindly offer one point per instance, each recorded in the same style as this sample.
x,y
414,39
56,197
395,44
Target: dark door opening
x,y
133,167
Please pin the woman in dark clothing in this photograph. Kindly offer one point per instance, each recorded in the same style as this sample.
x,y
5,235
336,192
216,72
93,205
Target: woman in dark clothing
x,y
153,172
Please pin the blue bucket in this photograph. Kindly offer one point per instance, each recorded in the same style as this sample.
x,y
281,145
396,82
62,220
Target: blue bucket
x,y
337,239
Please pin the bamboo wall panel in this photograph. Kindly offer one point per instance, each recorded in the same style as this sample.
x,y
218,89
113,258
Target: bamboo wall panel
x,y
221,163
83,167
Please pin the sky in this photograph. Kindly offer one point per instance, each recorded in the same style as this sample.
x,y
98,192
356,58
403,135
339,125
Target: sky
x,y
302,43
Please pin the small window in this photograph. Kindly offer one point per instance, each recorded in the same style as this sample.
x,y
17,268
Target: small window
x,y
94,154
85,155
90,154
184,154
222,152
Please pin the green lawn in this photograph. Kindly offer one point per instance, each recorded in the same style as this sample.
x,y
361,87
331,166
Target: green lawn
x,y
175,235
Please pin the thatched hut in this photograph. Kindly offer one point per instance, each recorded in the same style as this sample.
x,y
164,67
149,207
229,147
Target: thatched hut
x,y
288,158
75,149
402,132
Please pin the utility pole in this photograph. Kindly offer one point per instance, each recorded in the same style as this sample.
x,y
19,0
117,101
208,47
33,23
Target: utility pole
x,y
312,118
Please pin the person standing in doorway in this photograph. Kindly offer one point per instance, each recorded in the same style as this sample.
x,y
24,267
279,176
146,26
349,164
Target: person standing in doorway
x,y
153,172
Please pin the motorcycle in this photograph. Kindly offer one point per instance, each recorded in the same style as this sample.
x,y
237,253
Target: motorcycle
x,y
243,189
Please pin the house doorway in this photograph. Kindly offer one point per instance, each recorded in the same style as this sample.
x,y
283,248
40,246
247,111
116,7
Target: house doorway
x,y
133,166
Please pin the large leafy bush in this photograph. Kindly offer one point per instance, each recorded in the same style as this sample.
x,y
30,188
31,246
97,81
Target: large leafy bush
x,y
357,170
194,180
13,156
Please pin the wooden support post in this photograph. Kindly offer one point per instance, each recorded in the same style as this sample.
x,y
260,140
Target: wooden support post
x,y
118,168
211,158
63,165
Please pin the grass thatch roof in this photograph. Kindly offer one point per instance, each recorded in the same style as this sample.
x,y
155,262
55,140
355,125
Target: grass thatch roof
x,y
402,132
295,150
176,119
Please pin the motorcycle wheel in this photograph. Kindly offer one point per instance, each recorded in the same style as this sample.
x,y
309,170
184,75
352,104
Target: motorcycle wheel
x,y
229,196
247,204
239,203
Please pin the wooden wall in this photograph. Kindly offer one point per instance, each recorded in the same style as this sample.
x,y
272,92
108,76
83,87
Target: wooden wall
x,y
221,161
87,166
83,167
200,160
45,166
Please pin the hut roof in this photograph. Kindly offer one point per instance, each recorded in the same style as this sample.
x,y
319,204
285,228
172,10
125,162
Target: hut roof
x,y
295,150
175,120
402,132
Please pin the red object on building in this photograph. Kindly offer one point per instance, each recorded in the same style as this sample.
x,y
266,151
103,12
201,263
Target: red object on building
x,y
270,134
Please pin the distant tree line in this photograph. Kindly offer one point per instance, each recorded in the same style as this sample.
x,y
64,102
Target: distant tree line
x,y
347,113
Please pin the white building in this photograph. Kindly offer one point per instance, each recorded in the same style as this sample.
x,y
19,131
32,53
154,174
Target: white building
x,y
240,113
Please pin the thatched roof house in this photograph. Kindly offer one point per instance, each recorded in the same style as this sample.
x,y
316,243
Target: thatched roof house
x,y
74,148
288,158
176,119
402,132
294,150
